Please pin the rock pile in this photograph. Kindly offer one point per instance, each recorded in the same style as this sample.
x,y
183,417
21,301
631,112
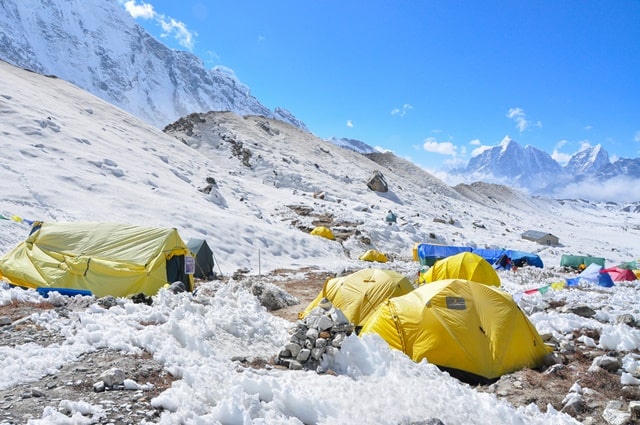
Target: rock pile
x,y
115,379
319,334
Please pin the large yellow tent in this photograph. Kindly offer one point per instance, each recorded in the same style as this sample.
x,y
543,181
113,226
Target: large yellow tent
x,y
470,329
358,294
465,265
103,258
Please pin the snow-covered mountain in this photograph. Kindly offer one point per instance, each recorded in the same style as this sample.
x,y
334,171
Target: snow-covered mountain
x,y
588,161
99,47
589,173
511,164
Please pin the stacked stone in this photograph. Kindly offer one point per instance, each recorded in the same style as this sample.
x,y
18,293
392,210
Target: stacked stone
x,y
319,334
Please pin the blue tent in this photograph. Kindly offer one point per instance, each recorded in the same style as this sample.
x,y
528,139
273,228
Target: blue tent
x,y
511,258
491,255
428,254
521,258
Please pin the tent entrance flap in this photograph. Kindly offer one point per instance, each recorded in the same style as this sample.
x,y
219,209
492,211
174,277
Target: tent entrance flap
x,y
176,271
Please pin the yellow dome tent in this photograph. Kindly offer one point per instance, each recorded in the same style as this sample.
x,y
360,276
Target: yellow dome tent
x,y
101,258
470,329
324,232
465,265
374,255
357,295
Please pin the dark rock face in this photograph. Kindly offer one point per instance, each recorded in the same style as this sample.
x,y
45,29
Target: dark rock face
x,y
377,183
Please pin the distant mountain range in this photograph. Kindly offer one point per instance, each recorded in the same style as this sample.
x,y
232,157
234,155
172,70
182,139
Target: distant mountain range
x,y
536,172
98,46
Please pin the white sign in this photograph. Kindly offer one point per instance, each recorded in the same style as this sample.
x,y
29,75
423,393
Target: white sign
x,y
189,265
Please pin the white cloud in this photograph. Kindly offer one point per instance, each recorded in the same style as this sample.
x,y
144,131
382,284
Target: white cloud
x,y
561,143
350,124
560,157
518,115
142,10
614,189
177,30
402,111
443,148
475,142
170,27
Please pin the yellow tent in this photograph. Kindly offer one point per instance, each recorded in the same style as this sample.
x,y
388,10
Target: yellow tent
x,y
465,265
325,232
374,255
103,258
470,329
358,294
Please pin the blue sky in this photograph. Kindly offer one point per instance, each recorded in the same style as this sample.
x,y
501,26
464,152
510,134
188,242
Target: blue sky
x,y
433,81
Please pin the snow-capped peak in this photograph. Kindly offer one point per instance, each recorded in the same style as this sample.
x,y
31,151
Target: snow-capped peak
x,y
588,160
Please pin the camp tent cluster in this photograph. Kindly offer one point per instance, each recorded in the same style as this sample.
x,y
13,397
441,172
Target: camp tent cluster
x,y
472,329
458,318
438,260
592,269
359,293
99,259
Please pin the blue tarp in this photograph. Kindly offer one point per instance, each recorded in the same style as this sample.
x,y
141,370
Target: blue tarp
x,y
429,253
520,258
491,255
63,291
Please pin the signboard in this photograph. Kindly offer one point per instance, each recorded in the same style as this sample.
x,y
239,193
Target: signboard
x,y
189,265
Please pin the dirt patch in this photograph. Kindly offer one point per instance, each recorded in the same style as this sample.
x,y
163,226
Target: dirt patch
x,y
305,289
74,381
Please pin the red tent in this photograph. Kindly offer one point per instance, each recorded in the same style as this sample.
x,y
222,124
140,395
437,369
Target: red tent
x,y
619,275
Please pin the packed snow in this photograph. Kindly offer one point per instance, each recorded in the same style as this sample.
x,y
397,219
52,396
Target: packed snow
x,y
68,156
